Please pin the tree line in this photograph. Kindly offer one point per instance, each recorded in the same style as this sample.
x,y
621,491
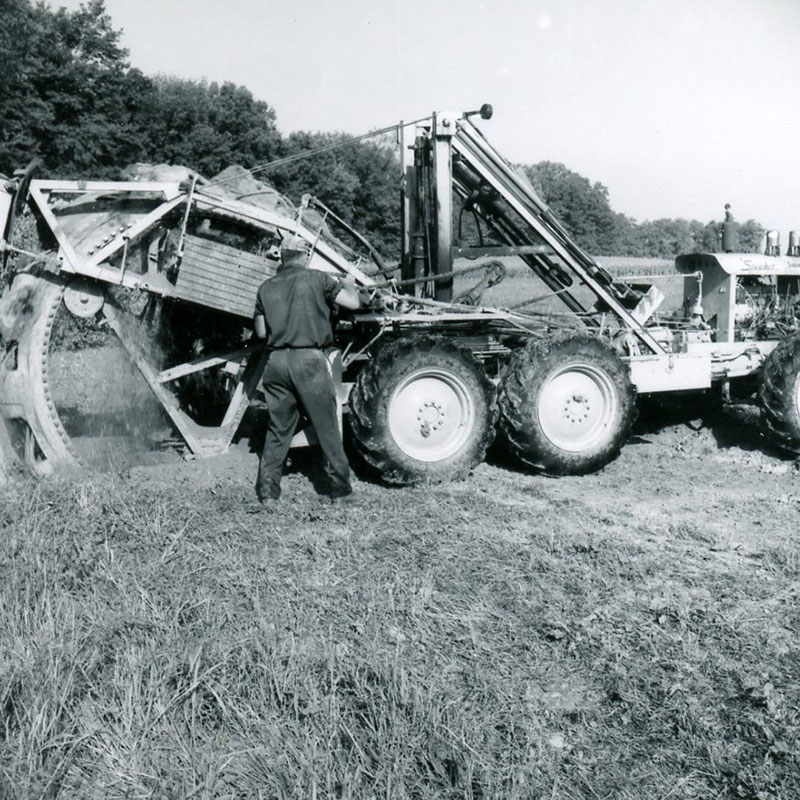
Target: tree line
x,y
70,97
584,209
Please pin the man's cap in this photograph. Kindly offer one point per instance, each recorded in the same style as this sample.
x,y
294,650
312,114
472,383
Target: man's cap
x,y
294,248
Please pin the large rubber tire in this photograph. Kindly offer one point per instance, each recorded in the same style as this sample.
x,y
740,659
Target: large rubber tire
x,y
422,411
567,404
779,395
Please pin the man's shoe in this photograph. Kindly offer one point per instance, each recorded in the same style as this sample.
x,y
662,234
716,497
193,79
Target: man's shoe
x,y
267,504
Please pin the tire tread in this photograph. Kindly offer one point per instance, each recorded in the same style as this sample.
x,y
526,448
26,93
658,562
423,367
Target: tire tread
x,y
369,401
520,384
779,414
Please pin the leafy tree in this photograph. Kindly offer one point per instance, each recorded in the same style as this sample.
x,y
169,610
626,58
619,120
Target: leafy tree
x,y
750,235
663,238
710,238
68,95
359,181
207,126
581,206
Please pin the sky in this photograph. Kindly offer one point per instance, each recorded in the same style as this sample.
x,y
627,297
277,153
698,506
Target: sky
x,y
676,106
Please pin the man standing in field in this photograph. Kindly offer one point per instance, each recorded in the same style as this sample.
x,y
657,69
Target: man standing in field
x,y
293,311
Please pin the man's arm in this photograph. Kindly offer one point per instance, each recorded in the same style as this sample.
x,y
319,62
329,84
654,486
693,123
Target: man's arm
x,y
260,326
259,318
348,294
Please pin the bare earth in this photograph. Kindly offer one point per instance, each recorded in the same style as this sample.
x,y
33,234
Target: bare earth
x,y
678,471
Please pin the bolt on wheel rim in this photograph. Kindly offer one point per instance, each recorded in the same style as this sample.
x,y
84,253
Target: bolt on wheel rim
x,y
431,414
577,407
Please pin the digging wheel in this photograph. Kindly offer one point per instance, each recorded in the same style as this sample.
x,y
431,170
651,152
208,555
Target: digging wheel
x,y
779,395
32,303
566,404
423,410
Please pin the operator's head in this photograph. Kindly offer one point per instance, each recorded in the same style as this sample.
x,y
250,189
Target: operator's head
x,y
294,252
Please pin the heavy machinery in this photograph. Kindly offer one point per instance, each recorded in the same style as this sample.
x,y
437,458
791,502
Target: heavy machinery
x,y
427,373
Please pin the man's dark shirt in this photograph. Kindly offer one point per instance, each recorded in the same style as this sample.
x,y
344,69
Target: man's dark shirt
x,y
296,306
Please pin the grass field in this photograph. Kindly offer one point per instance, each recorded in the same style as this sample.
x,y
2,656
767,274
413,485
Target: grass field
x,y
630,634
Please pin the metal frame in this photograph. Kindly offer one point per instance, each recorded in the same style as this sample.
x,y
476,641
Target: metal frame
x,y
482,158
428,183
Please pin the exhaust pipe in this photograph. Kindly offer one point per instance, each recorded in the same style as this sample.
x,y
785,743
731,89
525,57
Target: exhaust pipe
x,y
729,237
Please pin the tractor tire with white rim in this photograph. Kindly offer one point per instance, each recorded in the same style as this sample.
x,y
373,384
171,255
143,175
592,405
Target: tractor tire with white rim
x,y
779,395
423,411
567,404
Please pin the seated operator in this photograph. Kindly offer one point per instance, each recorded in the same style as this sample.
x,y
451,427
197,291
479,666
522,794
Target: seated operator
x,y
293,313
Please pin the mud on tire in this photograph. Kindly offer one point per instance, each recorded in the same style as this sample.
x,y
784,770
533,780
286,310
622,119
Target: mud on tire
x,y
779,395
566,404
423,410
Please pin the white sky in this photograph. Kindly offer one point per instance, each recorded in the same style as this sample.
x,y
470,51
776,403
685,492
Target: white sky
x,y
677,106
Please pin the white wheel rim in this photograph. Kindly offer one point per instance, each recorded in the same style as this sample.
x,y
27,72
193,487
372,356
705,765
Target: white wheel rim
x,y
577,407
431,414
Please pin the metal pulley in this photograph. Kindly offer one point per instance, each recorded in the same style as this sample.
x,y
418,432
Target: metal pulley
x,y
83,299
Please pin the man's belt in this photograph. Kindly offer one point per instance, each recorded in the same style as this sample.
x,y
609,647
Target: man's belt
x,y
298,347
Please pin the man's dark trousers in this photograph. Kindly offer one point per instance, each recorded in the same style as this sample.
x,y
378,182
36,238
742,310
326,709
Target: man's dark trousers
x,y
293,378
